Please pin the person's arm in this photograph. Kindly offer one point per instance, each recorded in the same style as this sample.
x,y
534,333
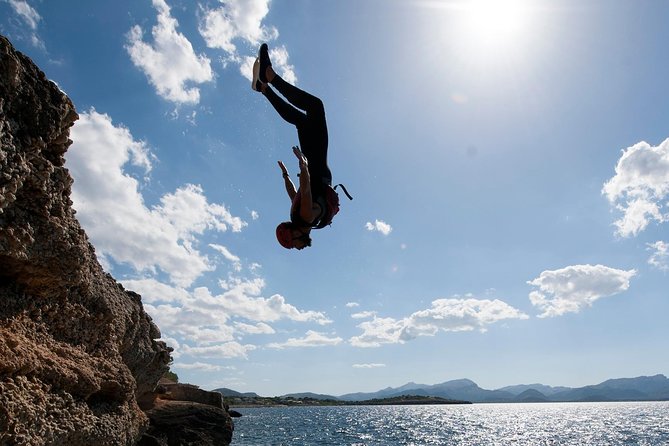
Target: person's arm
x,y
290,187
306,203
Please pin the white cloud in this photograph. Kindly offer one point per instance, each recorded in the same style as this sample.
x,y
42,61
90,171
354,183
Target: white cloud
x,y
660,257
352,304
228,255
259,328
445,315
312,339
170,63
571,289
153,291
236,19
363,314
226,350
379,226
193,322
29,15
202,366
31,18
111,208
243,20
379,331
640,187
368,366
202,321
240,301
254,215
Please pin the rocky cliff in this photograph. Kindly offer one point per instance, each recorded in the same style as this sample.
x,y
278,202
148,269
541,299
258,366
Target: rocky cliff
x,y
77,350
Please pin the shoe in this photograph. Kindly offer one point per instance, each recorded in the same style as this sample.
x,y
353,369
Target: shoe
x,y
263,56
255,82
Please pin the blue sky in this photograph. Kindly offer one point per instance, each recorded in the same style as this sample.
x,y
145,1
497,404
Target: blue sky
x,y
509,163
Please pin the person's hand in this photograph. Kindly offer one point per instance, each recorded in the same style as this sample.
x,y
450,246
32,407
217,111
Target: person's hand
x,y
284,171
300,157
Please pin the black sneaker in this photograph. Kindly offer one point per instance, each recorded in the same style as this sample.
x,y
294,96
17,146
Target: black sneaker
x,y
263,55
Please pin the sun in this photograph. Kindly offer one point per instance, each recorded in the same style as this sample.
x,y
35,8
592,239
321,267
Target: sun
x,y
496,22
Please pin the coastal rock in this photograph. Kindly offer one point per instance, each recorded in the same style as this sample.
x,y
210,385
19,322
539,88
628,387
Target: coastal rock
x,y
190,392
180,423
182,414
76,348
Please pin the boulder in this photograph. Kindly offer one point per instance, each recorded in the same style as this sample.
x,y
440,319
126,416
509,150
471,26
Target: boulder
x,y
182,423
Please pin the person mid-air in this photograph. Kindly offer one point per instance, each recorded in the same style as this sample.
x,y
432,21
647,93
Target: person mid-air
x,y
314,202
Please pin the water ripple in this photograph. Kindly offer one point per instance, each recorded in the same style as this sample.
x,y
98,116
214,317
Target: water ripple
x,y
541,424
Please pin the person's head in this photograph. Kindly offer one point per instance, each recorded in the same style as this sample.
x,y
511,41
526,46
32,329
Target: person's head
x,y
292,236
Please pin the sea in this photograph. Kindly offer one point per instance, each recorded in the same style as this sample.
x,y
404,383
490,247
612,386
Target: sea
x,y
518,424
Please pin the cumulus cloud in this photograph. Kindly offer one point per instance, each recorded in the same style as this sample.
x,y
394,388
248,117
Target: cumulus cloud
x,y
226,350
203,321
456,314
242,20
201,366
363,314
259,328
153,291
312,339
111,207
640,187
236,261
241,300
193,323
236,19
170,62
571,289
368,366
660,257
379,226
352,304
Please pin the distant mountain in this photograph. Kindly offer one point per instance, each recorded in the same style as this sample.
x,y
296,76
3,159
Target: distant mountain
x,y
545,390
643,388
531,396
232,393
623,389
389,392
315,396
459,389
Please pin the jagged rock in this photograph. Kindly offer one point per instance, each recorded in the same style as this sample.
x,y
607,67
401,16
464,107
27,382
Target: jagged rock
x,y
182,423
76,348
189,392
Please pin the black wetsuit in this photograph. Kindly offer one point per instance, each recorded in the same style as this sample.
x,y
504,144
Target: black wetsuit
x,y
312,130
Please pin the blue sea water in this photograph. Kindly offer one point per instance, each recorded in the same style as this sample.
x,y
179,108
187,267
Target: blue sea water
x,y
591,424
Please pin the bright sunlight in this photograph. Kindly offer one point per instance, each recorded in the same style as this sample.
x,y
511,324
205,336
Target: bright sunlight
x,y
496,22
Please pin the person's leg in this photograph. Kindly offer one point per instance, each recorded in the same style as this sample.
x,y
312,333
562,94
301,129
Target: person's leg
x,y
311,127
312,131
299,98
285,110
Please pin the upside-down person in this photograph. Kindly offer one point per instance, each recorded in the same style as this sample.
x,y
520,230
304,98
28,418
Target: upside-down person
x,y
314,203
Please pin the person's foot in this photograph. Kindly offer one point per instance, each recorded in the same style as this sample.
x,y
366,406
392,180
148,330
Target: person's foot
x,y
263,56
255,82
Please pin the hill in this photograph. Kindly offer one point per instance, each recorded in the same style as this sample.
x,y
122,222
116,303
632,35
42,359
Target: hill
x,y
643,388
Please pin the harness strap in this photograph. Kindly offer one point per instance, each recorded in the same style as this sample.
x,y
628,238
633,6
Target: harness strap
x,y
344,189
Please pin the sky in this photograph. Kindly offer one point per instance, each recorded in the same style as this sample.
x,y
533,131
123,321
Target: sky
x,y
508,160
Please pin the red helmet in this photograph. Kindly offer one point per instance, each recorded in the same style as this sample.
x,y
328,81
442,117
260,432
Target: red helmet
x,y
284,234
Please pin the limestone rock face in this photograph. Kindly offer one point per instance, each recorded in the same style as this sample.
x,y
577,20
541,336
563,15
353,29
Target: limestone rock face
x,y
76,349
